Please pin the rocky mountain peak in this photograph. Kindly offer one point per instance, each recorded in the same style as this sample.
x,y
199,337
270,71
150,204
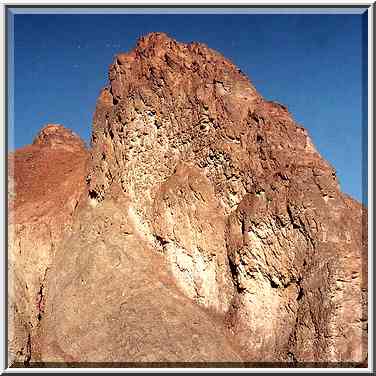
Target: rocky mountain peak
x,y
203,208
57,136
154,40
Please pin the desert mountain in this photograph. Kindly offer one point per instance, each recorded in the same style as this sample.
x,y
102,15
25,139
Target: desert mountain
x,y
202,225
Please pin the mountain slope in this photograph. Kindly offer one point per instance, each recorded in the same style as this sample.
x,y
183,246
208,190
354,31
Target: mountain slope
x,y
210,228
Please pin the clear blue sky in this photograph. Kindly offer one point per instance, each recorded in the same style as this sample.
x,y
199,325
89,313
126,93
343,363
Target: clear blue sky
x,y
311,63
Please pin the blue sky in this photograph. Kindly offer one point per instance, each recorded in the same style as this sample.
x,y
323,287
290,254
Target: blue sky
x,y
311,63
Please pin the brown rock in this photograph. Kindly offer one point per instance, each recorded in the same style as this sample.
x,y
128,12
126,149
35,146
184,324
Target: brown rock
x,y
112,299
211,228
56,136
46,181
186,205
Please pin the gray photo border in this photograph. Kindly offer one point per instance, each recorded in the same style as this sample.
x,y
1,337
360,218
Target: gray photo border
x,y
368,78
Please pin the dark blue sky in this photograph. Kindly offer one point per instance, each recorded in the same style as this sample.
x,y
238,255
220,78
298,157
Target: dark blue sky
x,y
311,63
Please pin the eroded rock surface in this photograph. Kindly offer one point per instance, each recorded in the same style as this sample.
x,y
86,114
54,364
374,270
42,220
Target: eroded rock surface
x,y
210,228
111,299
46,180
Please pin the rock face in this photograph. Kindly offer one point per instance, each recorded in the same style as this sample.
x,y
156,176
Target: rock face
x,y
46,180
208,228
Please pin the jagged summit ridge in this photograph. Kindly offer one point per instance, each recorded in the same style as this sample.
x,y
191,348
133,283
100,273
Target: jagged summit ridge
x,y
154,44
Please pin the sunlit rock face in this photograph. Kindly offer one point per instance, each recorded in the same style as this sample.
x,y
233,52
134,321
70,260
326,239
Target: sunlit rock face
x,y
201,226
46,181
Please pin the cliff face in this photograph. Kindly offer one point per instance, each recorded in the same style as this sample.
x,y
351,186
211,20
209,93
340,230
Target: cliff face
x,y
46,180
209,227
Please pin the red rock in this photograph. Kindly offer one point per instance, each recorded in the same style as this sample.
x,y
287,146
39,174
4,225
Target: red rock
x,y
46,182
206,205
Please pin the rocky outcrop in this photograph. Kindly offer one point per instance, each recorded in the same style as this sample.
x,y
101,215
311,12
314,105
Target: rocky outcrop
x,y
209,213
185,205
111,299
46,182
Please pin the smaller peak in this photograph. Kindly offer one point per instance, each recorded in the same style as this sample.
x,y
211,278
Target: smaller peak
x,y
50,130
56,135
53,128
